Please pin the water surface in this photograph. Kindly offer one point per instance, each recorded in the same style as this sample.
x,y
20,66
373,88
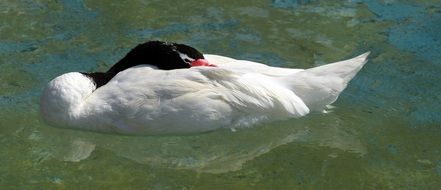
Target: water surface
x,y
385,132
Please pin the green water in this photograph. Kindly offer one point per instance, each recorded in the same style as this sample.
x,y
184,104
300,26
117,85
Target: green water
x,y
384,133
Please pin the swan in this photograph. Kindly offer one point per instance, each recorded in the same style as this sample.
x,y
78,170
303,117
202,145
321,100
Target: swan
x,y
170,88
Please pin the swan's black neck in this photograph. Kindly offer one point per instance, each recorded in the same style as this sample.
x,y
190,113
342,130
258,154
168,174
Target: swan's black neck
x,y
99,78
163,55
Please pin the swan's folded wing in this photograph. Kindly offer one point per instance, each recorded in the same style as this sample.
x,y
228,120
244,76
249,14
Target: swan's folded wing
x,y
196,100
255,97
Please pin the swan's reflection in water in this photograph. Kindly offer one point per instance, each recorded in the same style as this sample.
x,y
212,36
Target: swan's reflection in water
x,y
215,152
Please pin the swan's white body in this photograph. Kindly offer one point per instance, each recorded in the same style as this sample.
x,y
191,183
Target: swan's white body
x,y
143,100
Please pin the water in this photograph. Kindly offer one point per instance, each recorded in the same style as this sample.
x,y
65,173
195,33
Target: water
x,y
384,134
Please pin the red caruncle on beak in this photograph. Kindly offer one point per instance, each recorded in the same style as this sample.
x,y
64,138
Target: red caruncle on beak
x,y
201,62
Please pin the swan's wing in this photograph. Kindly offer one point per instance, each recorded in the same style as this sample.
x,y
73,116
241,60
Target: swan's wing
x,y
147,101
255,97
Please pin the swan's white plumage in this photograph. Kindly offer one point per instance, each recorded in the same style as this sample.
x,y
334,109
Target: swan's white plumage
x,y
143,100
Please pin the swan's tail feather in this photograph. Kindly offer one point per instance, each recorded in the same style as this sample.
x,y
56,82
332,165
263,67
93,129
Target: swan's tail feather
x,y
346,69
320,86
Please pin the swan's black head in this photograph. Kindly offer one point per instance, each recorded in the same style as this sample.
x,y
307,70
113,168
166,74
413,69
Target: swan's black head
x,y
163,55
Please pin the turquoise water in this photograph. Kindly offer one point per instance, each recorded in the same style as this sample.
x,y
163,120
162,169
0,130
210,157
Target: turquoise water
x,y
385,132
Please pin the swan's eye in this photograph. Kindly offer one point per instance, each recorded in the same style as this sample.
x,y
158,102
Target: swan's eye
x,y
187,60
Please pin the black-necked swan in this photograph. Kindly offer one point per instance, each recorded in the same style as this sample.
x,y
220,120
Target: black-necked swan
x,y
169,88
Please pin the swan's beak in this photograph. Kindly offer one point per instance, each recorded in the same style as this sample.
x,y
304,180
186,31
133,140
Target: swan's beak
x,y
201,62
